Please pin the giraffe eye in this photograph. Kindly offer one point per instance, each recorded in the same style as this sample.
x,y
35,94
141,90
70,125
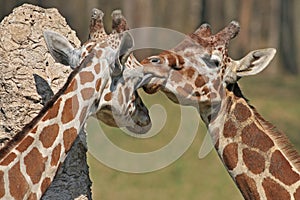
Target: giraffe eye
x,y
212,63
216,62
155,60
215,59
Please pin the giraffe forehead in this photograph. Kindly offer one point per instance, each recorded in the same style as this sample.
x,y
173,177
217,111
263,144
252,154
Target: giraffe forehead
x,y
100,49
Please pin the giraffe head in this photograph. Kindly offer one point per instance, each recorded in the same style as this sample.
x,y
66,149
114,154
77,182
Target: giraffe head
x,y
198,71
118,104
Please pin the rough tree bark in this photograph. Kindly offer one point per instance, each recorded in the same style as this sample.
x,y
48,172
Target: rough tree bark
x,y
28,75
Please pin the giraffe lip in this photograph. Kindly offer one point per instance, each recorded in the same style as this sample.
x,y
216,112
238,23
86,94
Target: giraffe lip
x,y
151,89
144,81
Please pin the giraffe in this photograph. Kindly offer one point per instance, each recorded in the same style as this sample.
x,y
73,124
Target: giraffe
x,y
199,72
107,113
29,162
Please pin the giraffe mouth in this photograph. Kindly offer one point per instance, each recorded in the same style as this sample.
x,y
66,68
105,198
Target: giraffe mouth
x,y
140,122
151,88
139,128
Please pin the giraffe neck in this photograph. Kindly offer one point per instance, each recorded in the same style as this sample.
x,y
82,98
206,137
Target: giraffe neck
x,y
260,159
29,164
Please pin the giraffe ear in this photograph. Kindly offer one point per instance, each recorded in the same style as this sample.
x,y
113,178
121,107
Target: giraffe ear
x,y
254,62
126,43
123,53
61,49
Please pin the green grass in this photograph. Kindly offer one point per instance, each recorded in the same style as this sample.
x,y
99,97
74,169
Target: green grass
x,y
190,177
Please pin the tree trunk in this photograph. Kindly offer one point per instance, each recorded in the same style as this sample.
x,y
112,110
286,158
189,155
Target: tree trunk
x,y
287,37
28,74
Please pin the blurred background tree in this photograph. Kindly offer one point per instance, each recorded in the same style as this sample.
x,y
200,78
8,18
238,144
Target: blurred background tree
x,y
263,23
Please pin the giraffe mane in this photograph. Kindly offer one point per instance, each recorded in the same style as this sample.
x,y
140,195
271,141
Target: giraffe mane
x,y
281,140
28,127
235,88
278,136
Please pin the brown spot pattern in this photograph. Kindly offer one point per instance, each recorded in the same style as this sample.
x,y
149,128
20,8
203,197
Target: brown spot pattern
x,y
18,185
8,159
2,189
274,191
212,95
87,93
55,155
69,137
297,194
200,81
176,77
97,68
217,83
86,77
230,129
205,90
48,135
241,112
72,87
247,186
230,155
188,88
254,161
52,113
120,97
45,184
88,63
282,170
172,61
189,72
83,54
35,165
107,96
126,94
90,47
180,59
34,130
254,137
70,109
25,143
98,84
83,114
32,196
98,54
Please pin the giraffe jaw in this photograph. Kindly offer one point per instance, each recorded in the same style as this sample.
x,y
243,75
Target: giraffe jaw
x,y
138,129
137,124
151,87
